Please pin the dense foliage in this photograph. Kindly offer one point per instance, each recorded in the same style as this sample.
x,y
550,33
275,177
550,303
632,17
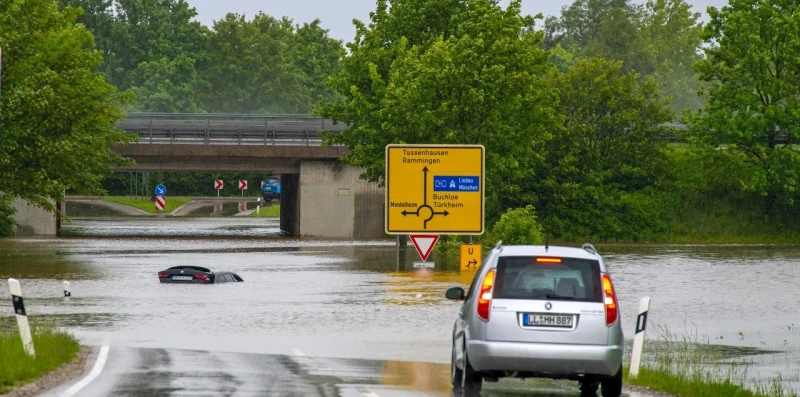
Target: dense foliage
x,y
175,64
753,106
58,112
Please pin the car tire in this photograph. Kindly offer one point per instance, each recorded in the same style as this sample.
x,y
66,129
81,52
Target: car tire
x,y
612,387
471,382
456,374
589,388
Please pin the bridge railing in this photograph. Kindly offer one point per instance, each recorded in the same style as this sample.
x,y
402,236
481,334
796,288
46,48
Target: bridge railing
x,y
240,129
217,128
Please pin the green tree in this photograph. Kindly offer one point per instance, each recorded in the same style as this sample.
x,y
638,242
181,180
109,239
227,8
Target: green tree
x,y
753,94
167,86
58,113
481,80
319,57
605,168
659,39
671,38
252,69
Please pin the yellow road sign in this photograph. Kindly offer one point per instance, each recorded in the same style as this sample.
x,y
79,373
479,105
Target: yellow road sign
x,y
470,256
435,189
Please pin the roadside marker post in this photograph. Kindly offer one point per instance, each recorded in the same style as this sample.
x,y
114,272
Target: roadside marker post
x,y
22,316
242,186
218,186
67,291
161,202
638,338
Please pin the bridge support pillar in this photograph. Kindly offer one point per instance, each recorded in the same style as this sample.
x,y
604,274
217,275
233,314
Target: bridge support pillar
x,y
336,203
290,204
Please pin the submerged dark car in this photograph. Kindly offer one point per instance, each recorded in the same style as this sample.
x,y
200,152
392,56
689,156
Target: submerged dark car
x,y
196,275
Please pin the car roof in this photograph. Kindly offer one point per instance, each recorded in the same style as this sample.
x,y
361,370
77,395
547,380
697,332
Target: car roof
x,y
540,250
189,267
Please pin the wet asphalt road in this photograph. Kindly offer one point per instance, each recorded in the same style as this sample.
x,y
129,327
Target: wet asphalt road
x,y
327,315
136,372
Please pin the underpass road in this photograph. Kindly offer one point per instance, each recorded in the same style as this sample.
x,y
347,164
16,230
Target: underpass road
x,y
149,372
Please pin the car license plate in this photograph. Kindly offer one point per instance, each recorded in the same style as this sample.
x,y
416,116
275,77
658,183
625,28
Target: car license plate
x,y
186,278
547,320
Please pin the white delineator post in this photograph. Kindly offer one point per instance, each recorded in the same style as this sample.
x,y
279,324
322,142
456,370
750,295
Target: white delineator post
x,y
67,291
638,338
22,316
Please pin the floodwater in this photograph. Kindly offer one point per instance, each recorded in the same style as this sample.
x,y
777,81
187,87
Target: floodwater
x,y
346,299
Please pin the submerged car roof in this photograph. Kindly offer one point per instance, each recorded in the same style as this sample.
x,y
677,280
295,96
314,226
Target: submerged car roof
x,y
539,250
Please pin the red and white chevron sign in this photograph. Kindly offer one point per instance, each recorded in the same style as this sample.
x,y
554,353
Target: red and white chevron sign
x,y
242,184
161,201
218,184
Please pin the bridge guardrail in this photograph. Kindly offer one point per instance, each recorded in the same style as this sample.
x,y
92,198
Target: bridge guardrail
x,y
228,128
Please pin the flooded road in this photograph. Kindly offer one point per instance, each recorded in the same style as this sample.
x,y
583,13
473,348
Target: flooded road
x,y
320,300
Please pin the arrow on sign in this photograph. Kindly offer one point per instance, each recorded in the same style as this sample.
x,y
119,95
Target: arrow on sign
x,y
425,203
242,184
472,262
424,244
218,184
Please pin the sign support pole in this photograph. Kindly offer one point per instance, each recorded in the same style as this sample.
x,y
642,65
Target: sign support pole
x,y
397,252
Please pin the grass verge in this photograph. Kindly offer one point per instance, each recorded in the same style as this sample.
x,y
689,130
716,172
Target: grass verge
x,y
149,205
53,348
272,211
687,368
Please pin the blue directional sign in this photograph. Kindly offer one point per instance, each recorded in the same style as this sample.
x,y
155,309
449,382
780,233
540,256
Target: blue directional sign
x,y
456,184
161,190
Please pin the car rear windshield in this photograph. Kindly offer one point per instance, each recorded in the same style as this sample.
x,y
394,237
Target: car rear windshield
x,y
522,277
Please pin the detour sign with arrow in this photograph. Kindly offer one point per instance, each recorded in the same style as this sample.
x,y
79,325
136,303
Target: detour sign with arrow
x,y
470,256
435,189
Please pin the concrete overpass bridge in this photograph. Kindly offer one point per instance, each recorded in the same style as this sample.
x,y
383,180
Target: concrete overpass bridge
x,y
320,197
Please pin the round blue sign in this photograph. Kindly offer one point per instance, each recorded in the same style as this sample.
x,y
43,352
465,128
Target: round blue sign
x,y
161,190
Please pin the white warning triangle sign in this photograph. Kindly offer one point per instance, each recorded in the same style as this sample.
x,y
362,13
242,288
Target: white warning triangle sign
x,y
424,244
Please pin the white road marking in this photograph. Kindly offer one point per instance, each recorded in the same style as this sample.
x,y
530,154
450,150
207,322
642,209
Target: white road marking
x,y
96,370
297,352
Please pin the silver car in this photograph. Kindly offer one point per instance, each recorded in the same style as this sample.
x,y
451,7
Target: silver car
x,y
539,312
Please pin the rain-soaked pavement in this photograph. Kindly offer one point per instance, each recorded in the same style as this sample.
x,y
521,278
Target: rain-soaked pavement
x,y
339,318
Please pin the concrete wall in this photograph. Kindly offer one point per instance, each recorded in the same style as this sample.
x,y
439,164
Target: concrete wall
x,y
336,203
34,221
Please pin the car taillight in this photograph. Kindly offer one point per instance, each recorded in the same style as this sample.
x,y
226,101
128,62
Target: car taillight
x,y
201,276
485,297
610,299
163,275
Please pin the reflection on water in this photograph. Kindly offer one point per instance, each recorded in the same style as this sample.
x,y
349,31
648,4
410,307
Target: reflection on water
x,y
349,299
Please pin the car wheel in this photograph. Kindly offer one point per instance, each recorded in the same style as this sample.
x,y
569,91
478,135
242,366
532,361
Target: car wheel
x,y
589,388
471,382
456,374
612,387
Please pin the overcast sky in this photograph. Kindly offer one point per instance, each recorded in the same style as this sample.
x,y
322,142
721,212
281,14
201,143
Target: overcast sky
x,y
337,15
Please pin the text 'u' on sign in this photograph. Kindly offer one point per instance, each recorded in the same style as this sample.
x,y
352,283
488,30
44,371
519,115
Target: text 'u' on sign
x,y
435,189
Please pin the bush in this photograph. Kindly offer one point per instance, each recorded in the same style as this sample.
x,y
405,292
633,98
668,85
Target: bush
x,y
517,226
7,225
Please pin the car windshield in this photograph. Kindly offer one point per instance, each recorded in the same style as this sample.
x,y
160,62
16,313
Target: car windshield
x,y
521,277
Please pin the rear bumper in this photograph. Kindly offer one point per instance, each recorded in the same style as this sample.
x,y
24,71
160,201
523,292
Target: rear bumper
x,y
545,359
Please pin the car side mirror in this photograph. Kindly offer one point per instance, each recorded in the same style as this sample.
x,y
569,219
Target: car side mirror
x,y
455,293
